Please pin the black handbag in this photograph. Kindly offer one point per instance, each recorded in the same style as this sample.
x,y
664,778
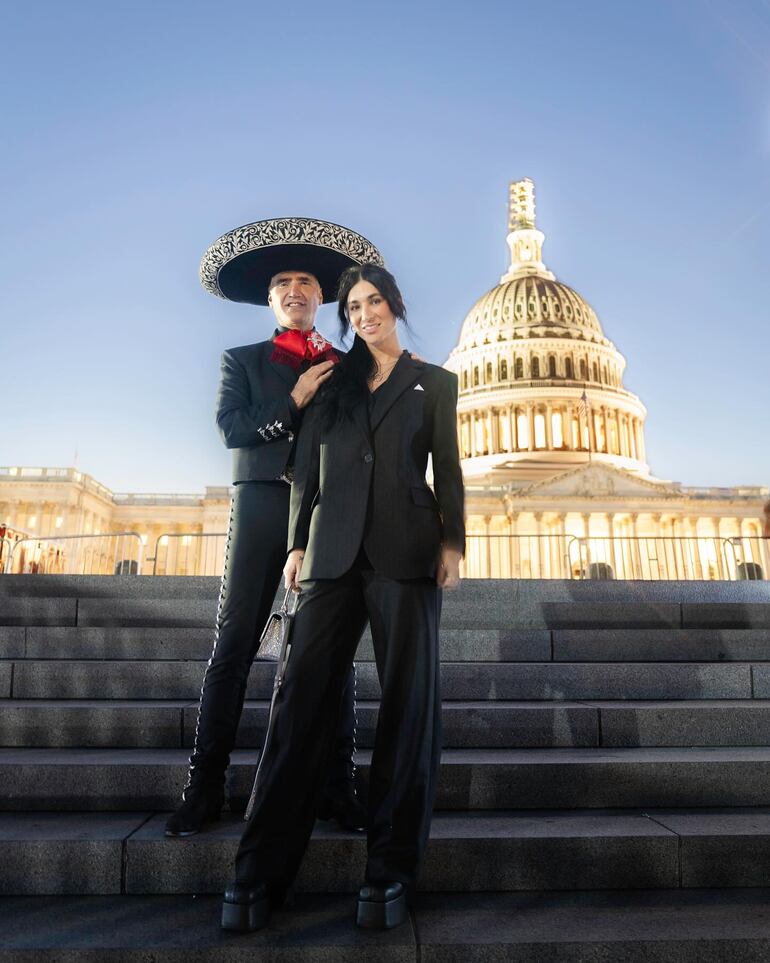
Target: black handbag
x,y
274,646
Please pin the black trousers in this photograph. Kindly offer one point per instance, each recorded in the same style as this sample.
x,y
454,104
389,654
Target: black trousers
x,y
404,617
254,560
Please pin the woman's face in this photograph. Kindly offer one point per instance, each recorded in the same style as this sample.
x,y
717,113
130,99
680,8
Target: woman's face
x,y
370,314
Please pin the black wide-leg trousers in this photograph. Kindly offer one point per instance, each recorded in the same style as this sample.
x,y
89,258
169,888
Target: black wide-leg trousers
x,y
404,617
254,558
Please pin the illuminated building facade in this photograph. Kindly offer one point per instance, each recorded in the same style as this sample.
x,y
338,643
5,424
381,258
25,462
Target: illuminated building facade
x,y
552,448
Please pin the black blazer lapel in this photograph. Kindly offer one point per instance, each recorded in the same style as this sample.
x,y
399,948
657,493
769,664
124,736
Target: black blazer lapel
x,y
403,376
286,371
361,418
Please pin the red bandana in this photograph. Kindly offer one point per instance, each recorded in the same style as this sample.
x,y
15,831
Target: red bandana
x,y
293,347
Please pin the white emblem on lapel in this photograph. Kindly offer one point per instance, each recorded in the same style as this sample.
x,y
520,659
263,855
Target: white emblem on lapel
x,y
419,388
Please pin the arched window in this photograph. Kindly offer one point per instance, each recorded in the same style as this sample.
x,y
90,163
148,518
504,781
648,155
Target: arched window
x,y
596,371
568,370
535,368
551,366
583,370
475,376
488,373
518,368
465,379
604,374
503,369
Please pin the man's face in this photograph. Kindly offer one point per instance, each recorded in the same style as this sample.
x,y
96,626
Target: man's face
x,y
294,297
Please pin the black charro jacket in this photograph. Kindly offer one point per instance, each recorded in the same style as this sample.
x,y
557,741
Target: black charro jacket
x,y
255,415
362,482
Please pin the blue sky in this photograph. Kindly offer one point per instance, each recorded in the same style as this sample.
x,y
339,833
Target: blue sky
x,y
135,133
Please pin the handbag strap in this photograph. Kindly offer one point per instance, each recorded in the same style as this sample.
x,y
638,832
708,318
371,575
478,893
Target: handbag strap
x,y
285,610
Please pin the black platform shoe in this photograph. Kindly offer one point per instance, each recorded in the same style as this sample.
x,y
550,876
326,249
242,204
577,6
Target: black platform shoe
x,y
381,906
344,806
245,908
198,808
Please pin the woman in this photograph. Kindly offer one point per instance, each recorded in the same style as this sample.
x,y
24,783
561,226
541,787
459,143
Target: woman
x,y
369,542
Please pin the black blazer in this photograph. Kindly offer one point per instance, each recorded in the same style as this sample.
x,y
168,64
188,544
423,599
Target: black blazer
x,y
363,482
255,415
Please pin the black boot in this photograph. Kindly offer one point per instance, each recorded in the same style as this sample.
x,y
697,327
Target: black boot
x,y
200,805
245,908
381,906
341,803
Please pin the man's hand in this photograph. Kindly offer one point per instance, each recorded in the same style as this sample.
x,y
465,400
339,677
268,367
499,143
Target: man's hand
x,y
448,575
292,570
309,382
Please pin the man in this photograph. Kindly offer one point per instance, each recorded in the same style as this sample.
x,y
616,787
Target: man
x,y
288,264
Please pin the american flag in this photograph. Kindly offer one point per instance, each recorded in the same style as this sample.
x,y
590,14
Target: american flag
x,y
584,405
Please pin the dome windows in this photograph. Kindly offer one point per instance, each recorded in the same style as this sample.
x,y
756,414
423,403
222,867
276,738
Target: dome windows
x,y
503,370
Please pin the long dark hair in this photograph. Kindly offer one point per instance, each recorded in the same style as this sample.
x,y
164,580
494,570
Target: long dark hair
x,y
349,385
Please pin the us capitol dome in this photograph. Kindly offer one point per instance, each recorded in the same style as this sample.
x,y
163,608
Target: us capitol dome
x,y
541,386
552,444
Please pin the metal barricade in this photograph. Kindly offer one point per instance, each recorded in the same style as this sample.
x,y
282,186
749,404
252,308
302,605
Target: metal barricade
x,y
189,553
111,553
752,557
653,558
517,556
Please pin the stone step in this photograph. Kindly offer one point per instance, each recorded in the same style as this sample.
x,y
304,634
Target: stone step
x,y
122,724
498,851
185,929
516,593
53,679
738,722
103,853
92,854
116,643
457,645
658,926
664,926
655,645
466,612
470,779
477,725
475,605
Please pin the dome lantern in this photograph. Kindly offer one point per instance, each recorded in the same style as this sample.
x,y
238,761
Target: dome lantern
x,y
524,240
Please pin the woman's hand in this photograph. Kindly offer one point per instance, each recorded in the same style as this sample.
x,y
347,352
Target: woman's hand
x,y
292,570
448,575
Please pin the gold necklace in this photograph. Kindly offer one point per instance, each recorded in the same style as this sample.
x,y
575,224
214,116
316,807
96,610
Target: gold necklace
x,y
379,374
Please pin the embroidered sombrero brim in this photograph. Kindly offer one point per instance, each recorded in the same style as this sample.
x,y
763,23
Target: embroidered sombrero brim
x,y
239,265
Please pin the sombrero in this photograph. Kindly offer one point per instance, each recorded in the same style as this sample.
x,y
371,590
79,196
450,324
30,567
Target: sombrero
x,y
239,265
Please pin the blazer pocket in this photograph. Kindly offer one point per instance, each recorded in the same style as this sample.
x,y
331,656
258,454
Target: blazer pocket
x,y
424,497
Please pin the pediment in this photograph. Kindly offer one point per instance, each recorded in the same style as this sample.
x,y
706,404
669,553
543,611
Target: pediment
x,y
592,480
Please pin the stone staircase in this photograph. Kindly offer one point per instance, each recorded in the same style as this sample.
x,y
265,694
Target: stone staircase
x,y
604,791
